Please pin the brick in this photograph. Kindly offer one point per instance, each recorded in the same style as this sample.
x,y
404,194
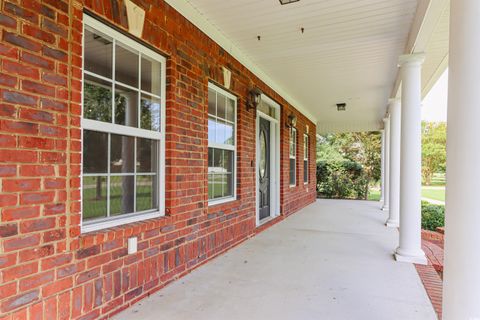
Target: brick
x,y
56,261
87,252
38,33
7,141
54,27
37,197
37,225
37,61
22,42
54,105
18,156
87,276
35,87
7,260
20,69
36,143
8,290
57,286
55,79
16,185
36,280
7,21
36,115
20,12
7,200
7,110
8,230
55,54
20,300
19,271
22,242
37,170
19,98
10,214
36,253
8,81
8,170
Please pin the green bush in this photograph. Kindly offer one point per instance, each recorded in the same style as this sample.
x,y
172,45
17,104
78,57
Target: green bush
x,y
341,180
433,216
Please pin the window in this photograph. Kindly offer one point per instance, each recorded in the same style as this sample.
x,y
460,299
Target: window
x,y
222,108
305,158
293,157
123,123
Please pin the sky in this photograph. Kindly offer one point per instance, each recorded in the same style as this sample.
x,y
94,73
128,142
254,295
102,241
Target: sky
x,y
434,105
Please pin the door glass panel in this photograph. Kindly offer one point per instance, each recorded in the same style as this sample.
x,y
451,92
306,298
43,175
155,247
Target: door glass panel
x,y
263,154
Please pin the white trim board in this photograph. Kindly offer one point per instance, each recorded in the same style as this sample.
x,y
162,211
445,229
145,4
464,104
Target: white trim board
x,y
195,17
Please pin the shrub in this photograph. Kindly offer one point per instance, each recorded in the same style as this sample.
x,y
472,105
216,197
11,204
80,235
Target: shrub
x,y
433,216
341,179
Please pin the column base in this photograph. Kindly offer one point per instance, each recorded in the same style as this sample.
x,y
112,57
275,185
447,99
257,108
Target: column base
x,y
385,208
418,258
392,223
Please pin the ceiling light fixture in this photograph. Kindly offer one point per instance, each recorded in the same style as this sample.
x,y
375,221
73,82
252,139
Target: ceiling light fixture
x,y
283,2
341,106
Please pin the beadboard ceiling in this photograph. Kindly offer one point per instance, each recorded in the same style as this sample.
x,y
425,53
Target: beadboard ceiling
x,y
347,53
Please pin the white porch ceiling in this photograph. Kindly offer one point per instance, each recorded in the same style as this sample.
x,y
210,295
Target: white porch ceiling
x,y
348,52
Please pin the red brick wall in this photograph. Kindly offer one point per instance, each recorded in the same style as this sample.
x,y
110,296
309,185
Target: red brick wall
x,y
48,269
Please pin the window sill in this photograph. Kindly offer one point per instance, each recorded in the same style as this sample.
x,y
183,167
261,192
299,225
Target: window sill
x,y
120,221
212,203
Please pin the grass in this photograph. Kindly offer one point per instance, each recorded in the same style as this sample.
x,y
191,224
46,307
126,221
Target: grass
x,y
433,193
374,195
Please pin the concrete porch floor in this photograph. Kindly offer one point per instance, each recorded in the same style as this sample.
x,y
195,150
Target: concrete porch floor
x,y
332,260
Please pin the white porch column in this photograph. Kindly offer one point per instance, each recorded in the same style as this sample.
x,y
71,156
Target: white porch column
x,y
410,249
394,168
461,289
382,167
386,164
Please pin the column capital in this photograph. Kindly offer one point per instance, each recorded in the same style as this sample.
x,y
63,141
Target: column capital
x,y
411,59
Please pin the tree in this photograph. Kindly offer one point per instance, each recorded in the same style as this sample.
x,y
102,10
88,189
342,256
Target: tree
x,y
362,148
434,154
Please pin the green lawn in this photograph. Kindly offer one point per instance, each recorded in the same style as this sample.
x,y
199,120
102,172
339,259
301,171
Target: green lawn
x,y
433,193
374,195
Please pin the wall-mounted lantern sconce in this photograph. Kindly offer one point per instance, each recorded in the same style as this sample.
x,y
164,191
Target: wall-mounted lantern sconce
x,y
291,121
254,98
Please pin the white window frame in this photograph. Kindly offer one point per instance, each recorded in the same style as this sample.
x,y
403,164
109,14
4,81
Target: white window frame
x,y
212,202
88,124
294,156
306,142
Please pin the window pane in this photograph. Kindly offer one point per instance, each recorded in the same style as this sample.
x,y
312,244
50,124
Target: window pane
x,y
95,152
212,130
217,161
221,132
217,186
230,110
212,101
126,66
126,106
97,99
146,193
94,198
210,159
147,155
150,113
221,106
228,185
229,139
292,172
151,76
305,171
98,53
122,153
121,194
227,162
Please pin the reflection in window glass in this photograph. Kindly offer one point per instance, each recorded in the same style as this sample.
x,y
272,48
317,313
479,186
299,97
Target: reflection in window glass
x,y
126,106
126,66
293,157
150,113
98,53
221,139
95,152
97,99
122,154
146,193
94,197
122,194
